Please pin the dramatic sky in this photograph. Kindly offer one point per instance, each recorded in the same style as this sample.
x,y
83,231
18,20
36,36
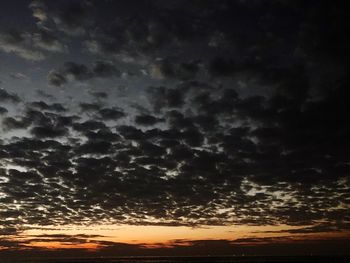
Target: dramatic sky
x,y
174,127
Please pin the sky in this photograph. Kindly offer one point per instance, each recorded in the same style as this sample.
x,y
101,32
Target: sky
x,y
174,127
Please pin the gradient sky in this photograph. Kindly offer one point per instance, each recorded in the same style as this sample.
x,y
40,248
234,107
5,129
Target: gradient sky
x,y
174,127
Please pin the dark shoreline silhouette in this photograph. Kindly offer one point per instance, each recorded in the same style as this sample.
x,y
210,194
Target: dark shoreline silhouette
x,y
199,259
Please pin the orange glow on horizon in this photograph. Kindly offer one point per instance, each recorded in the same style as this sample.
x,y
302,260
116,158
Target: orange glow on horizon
x,y
149,237
55,245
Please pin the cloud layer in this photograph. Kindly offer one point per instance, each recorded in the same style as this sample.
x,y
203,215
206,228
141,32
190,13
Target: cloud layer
x,y
192,113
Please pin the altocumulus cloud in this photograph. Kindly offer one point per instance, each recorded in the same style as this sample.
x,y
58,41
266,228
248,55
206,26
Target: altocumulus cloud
x,y
243,125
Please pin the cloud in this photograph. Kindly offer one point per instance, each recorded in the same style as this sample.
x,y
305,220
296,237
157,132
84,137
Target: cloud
x,y
99,94
105,69
225,134
249,158
39,11
55,78
44,106
147,120
19,76
47,41
20,44
213,160
44,94
32,46
71,18
3,110
222,67
161,97
10,123
5,96
111,113
48,131
76,71
4,231
319,228
169,68
89,125
80,72
88,107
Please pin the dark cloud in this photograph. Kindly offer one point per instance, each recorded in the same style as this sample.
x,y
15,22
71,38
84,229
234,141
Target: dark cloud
x,y
240,117
130,132
77,71
3,110
41,105
147,120
170,68
48,131
89,125
219,67
99,95
320,228
55,78
45,40
70,17
18,76
88,107
32,46
20,44
8,97
105,69
111,113
44,94
8,231
80,72
161,97
10,123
